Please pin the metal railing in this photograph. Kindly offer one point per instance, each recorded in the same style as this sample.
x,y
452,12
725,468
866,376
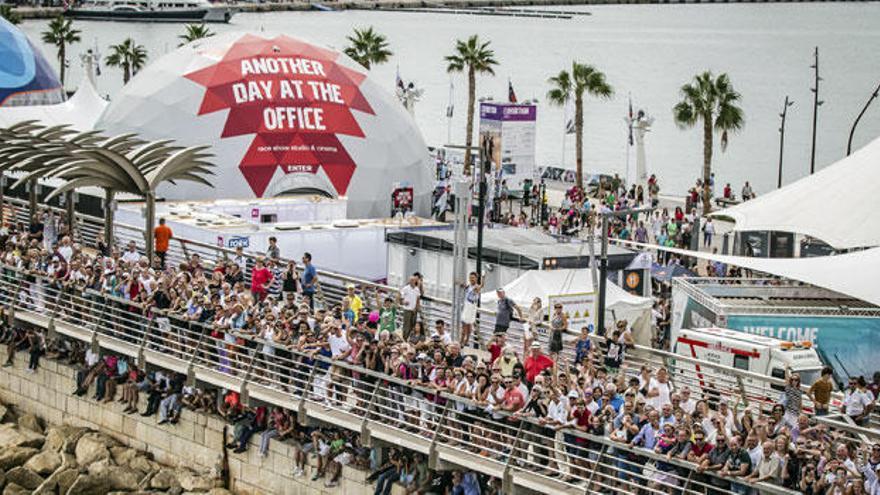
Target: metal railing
x,y
447,427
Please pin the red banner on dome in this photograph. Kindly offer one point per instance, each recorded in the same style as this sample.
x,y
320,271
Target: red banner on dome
x,y
295,98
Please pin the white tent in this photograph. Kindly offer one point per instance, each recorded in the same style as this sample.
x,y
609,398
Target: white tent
x,y
835,205
81,111
852,274
544,283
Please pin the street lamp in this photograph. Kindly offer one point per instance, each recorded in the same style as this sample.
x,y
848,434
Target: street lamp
x,y
785,106
603,258
816,104
853,130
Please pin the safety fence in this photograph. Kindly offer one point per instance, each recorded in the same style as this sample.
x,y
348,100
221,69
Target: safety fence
x,y
522,451
716,382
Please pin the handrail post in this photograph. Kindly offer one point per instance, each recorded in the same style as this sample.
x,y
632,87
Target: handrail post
x,y
301,407
365,429
687,482
15,299
244,392
433,455
506,477
50,325
141,357
191,365
595,468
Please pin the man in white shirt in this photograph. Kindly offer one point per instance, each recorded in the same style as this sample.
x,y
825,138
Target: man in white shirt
x,y
659,390
65,249
858,400
410,296
687,404
131,256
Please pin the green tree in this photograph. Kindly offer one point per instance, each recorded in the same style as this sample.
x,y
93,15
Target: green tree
x,y
8,13
129,56
60,34
567,86
195,32
368,47
712,101
474,57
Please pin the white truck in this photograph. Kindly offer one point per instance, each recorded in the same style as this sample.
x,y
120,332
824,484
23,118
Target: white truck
x,y
754,353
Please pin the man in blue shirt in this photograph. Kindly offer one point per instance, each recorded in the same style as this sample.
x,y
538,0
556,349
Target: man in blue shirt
x,y
309,279
647,436
465,484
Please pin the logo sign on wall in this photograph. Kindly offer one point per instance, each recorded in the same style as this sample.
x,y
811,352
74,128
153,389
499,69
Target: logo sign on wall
x,y
296,98
236,242
514,126
634,281
580,308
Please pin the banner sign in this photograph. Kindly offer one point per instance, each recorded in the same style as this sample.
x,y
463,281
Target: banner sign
x,y
580,308
515,127
850,345
240,241
296,97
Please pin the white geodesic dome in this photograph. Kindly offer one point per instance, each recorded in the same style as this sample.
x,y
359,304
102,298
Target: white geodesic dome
x,y
283,116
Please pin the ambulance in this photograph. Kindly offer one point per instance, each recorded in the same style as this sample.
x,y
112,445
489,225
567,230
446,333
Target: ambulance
x,y
754,353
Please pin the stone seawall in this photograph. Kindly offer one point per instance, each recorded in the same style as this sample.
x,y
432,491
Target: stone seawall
x,y
195,441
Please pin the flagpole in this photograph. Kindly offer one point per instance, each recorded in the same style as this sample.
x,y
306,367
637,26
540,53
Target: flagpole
x,y
629,128
449,105
564,135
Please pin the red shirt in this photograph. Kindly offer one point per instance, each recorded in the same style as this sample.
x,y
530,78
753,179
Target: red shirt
x,y
494,351
259,277
535,365
513,400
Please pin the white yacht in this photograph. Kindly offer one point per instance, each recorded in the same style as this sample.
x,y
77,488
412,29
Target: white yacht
x,y
151,11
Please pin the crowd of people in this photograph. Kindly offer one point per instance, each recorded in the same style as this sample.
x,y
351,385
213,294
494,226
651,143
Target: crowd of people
x,y
274,309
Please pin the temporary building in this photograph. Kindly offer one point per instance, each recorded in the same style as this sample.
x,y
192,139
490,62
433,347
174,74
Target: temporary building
x,y
836,205
26,78
80,112
619,304
282,116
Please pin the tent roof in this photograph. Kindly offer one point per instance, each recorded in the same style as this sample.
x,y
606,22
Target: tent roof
x,y
81,111
543,283
834,205
853,274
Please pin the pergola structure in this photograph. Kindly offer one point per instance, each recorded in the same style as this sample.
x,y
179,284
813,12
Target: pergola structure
x,y
123,163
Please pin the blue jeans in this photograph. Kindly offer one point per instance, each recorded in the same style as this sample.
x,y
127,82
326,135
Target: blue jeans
x,y
386,482
740,489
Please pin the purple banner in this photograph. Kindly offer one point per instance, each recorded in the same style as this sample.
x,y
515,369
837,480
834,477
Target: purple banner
x,y
507,112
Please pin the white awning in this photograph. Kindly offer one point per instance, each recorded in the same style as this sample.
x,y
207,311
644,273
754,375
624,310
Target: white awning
x,y
855,274
81,111
837,204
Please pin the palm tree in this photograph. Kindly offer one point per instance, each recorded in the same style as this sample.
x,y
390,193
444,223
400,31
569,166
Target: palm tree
x,y
195,32
368,47
567,86
129,56
9,14
713,101
474,57
61,34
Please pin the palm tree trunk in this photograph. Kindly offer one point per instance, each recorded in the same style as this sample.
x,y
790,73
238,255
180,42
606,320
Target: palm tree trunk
x,y
61,57
469,133
707,161
32,198
579,139
150,221
126,73
70,213
108,217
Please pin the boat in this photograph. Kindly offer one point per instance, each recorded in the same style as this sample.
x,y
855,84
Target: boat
x,y
150,11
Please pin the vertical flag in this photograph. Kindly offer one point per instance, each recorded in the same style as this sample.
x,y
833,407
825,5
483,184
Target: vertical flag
x,y
511,95
450,107
630,121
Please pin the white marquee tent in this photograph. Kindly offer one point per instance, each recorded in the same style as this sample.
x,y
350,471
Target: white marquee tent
x,y
81,111
836,204
544,283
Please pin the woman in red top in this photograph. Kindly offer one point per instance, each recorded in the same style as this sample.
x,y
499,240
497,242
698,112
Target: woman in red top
x,y
261,278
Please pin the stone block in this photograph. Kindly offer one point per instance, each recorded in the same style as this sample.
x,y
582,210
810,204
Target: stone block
x,y
111,420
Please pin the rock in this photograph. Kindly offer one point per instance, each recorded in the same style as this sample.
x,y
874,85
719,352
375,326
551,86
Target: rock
x,y
13,489
11,457
2,480
164,479
90,449
12,436
3,411
30,422
86,484
122,455
219,491
64,478
57,436
193,482
44,463
144,465
68,460
99,467
24,477
121,478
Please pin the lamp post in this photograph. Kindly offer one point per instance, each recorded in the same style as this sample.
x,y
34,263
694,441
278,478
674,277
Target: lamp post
x,y
603,259
785,106
864,109
816,104
485,155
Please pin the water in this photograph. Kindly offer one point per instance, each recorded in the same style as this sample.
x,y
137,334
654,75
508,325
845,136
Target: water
x,y
647,51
